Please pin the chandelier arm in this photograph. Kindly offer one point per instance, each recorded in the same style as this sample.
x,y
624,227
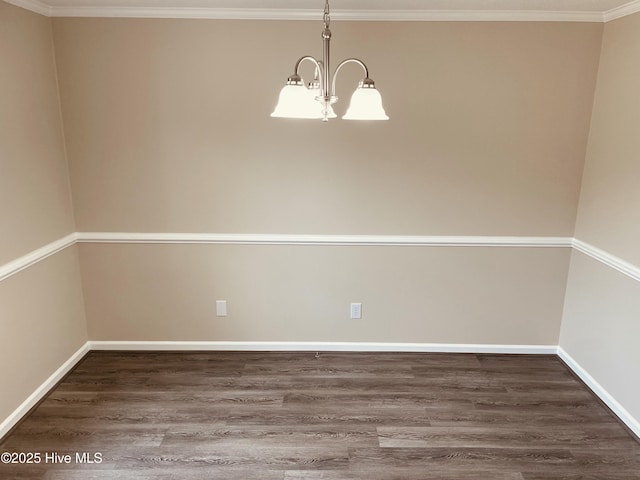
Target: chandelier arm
x,y
318,64
342,64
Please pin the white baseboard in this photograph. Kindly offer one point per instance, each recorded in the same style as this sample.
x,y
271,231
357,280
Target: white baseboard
x,y
325,347
606,397
42,390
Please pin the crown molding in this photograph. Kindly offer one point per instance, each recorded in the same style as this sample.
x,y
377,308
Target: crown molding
x,y
194,13
622,11
352,15
33,5
43,8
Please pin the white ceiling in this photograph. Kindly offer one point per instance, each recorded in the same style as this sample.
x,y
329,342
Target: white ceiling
x,y
530,10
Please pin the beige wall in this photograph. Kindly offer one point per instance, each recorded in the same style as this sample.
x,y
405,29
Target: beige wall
x,y
302,293
600,328
42,323
610,197
42,319
168,127
35,204
168,130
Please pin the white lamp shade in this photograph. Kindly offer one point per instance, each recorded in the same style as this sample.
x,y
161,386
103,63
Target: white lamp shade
x,y
366,104
296,101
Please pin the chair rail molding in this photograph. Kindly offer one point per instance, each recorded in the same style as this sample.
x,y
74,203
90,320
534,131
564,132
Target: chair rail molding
x,y
54,247
36,256
295,239
608,259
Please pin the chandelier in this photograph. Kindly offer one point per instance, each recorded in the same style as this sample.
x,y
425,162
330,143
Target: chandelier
x,y
315,100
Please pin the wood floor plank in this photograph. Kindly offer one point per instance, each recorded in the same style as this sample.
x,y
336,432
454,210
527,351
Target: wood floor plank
x,y
169,398
55,438
583,475
400,474
234,457
161,473
338,414
335,416
435,472
556,417
525,436
461,456
401,400
264,436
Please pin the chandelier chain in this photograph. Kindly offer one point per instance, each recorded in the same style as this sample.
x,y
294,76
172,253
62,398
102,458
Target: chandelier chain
x,y
327,19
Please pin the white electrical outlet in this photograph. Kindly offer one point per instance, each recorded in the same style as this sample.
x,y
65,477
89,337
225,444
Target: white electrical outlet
x,y
356,310
221,308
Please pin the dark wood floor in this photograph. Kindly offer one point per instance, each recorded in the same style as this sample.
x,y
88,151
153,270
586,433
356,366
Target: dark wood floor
x,y
342,416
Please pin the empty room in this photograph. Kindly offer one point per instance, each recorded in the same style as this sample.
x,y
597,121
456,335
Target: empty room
x,y
320,240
